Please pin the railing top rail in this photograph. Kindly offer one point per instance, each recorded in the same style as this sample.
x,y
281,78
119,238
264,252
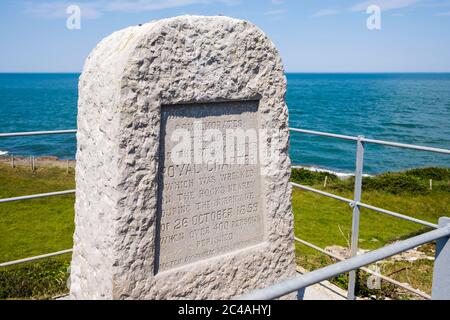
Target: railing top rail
x,y
383,277
353,203
312,132
37,196
36,133
44,256
291,285
407,146
374,141
325,134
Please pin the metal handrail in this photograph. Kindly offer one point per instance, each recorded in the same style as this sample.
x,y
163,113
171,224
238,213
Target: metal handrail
x,y
36,196
36,133
395,214
323,193
379,275
324,134
353,203
407,146
312,132
374,141
291,285
44,256
356,203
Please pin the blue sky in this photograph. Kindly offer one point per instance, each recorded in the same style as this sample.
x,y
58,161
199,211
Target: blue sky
x,y
312,35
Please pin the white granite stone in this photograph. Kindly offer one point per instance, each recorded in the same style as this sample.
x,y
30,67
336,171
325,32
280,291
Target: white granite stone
x,y
128,80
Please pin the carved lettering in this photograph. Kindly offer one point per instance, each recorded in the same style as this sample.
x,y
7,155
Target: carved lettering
x,y
207,209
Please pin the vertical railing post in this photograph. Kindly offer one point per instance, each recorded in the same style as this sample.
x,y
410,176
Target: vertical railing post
x,y
355,221
441,271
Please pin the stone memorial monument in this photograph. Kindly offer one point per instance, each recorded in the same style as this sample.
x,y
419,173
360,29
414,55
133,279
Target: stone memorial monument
x,y
182,164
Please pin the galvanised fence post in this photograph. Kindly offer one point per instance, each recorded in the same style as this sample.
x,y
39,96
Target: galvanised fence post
x,y
355,221
441,271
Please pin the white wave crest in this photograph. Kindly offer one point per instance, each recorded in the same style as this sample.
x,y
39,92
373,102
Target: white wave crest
x,y
3,153
340,175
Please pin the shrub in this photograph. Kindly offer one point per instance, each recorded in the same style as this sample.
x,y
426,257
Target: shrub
x,y
308,177
437,174
414,181
395,183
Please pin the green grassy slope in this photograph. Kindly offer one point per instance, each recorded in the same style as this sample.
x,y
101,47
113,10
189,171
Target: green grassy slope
x,y
34,227
38,226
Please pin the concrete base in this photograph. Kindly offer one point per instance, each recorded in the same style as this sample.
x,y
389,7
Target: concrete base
x,y
321,291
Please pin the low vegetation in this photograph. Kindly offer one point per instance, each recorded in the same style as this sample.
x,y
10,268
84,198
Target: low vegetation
x,y
34,227
45,279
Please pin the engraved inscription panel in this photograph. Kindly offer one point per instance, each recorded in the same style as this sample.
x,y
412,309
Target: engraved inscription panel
x,y
208,207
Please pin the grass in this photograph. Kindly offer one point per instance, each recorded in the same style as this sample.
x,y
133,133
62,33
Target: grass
x,y
38,280
38,226
34,227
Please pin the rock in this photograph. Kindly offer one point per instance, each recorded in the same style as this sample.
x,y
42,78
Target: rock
x,y
135,237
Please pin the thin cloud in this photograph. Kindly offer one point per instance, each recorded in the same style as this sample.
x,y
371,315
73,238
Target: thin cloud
x,y
442,14
275,12
436,4
325,12
230,2
94,9
58,9
146,5
385,5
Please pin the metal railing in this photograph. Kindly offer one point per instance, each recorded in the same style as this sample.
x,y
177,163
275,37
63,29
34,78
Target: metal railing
x,y
376,274
292,285
353,203
351,264
44,256
356,203
374,141
35,133
36,196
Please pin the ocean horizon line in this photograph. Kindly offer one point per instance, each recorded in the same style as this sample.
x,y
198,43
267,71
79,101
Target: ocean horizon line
x,y
405,108
286,72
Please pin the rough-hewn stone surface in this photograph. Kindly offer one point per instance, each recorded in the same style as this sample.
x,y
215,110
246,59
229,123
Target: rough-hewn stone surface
x,y
125,81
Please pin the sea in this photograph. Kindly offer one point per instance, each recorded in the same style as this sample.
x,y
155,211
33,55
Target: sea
x,y
408,108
